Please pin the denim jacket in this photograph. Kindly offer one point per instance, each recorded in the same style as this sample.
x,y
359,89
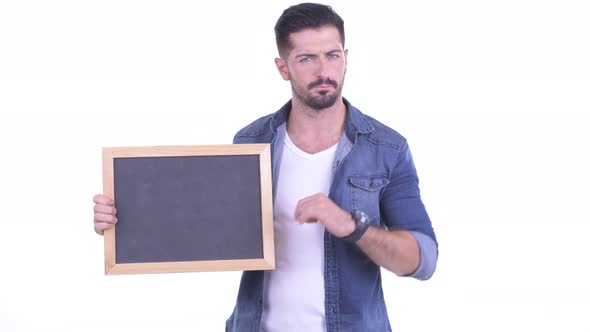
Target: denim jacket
x,y
373,171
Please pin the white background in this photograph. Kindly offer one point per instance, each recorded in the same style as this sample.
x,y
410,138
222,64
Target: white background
x,y
493,97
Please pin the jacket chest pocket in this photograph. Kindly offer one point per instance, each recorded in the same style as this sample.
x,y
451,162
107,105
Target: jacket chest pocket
x,y
365,193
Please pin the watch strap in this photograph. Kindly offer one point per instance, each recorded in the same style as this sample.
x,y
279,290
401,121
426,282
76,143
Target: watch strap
x,y
362,223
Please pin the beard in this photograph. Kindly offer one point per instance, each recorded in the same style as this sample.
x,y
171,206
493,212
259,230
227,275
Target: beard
x,y
323,99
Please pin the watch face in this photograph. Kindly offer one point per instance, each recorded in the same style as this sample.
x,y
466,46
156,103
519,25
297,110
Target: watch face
x,y
364,218
361,217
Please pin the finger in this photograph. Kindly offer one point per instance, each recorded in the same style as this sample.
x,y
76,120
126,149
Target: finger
x,y
310,221
311,198
103,200
103,217
308,202
106,209
100,227
306,213
300,211
98,231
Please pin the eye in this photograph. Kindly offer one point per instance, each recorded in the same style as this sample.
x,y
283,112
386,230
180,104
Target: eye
x,y
334,55
305,59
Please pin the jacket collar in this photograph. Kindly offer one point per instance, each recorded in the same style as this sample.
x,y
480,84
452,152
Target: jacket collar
x,y
356,122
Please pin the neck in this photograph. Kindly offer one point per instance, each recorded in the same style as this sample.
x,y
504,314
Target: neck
x,y
316,130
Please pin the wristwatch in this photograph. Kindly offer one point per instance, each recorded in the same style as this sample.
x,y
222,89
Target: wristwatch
x,y
361,221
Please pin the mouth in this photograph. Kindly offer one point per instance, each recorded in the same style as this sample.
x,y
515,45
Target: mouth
x,y
323,84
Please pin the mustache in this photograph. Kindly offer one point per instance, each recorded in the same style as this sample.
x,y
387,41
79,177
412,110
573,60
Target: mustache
x,y
323,81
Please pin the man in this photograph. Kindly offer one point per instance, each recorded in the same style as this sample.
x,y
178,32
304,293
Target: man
x,y
346,197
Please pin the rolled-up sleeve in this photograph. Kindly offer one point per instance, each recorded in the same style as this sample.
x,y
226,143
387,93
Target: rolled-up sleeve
x,y
428,256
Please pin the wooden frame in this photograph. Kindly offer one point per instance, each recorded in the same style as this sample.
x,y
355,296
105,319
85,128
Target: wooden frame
x,y
110,154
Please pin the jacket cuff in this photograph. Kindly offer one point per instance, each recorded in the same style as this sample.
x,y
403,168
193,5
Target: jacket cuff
x,y
428,256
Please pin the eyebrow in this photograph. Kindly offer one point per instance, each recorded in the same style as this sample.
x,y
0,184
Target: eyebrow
x,y
313,55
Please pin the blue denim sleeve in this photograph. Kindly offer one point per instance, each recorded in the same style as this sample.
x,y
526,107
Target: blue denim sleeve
x,y
428,256
402,208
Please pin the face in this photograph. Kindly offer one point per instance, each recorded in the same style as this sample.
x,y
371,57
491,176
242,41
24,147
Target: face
x,y
315,66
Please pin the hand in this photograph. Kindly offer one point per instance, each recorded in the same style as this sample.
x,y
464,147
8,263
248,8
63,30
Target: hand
x,y
320,208
104,214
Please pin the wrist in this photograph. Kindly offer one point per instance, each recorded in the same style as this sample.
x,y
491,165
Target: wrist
x,y
361,223
350,224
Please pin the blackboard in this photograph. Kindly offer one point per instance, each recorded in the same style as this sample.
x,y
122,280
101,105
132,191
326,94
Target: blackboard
x,y
189,208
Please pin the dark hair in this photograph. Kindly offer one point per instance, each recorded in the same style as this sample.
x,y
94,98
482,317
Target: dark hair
x,y
305,16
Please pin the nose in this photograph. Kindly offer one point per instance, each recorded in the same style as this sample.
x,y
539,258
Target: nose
x,y
322,68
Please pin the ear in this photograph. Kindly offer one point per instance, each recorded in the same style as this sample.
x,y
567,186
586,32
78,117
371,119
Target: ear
x,y
345,59
282,68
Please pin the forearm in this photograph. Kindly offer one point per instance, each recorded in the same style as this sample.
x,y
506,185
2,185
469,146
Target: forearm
x,y
395,250
406,253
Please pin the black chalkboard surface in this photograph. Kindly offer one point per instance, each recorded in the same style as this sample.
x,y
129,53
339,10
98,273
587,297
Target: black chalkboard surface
x,y
189,208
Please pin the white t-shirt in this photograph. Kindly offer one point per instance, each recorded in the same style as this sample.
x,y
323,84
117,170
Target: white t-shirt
x,y
294,291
